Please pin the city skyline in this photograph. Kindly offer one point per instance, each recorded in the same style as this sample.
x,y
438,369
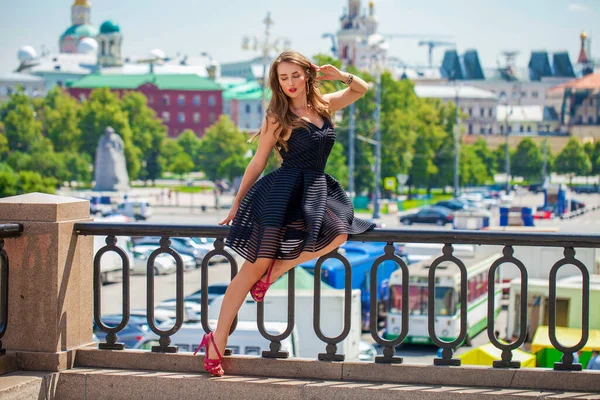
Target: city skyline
x,y
537,25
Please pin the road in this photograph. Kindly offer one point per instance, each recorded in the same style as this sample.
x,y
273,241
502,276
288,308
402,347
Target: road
x,y
165,285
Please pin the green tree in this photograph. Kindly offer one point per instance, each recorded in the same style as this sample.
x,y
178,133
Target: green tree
x,y
77,167
168,154
573,160
472,170
486,155
527,160
59,113
337,165
221,142
3,143
148,133
101,110
8,181
21,127
191,144
30,181
595,159
182,164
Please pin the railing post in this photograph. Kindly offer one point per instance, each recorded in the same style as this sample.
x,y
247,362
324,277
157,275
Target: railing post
x,y
50,281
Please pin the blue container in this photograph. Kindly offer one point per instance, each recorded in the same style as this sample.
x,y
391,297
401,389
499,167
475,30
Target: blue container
x,y
527,216
504,216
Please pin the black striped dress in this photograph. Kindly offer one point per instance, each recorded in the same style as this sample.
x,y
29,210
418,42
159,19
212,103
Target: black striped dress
x,y
297,207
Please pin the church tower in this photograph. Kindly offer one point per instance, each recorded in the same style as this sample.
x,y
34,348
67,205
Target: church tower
x,y
110,41
81,12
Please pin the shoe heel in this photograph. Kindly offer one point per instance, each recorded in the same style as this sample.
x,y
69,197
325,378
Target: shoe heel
x,y
203,343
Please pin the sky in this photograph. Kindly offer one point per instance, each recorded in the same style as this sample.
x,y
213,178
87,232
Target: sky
x,y
217,27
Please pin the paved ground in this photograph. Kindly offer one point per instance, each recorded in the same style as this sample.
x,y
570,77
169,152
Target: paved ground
x,y
165,285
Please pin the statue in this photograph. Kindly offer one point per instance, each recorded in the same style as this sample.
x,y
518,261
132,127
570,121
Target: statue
x,y
110,172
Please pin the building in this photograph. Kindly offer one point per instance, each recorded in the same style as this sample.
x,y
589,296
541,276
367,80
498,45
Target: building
x,y
578,105
80,29
527,120
478,105
358,42
182,101
242,102
32,85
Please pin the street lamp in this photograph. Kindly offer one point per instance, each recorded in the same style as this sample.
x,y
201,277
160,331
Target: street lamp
x,y
507,113
265,46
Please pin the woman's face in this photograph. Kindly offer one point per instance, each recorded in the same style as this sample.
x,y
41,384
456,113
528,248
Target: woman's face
x,y
292,79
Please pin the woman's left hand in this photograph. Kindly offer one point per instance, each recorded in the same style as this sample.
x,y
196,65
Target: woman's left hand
x,y
330,73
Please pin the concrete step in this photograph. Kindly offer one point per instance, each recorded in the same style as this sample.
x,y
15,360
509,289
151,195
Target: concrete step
x,y
95,383
8,363
27,385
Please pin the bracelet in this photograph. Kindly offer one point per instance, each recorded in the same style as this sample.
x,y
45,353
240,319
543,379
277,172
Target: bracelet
x,y
349,80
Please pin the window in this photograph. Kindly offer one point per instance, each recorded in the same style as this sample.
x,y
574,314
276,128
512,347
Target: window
x,y
521,129
523,94
490,130
529,128
482,112
482,130
150,99
509,129
470,129
247,108
196,117
197,100
181,100
212,100
445,300
503,94
166,99
81,98
259,108
212,117
501,128
470,112
181,117
591,120
535,94
166,116
491,112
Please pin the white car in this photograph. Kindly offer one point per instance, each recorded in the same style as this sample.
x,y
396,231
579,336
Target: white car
x,y
163,262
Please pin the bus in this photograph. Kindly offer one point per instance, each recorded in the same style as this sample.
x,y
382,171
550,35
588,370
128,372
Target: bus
x,y
447,303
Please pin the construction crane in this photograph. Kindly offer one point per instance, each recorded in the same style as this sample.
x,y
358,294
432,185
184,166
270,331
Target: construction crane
x,y
334,48
431,44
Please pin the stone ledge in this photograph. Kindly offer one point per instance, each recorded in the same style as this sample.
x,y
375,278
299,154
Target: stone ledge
x,y
41,207
404,374
90,383
27,385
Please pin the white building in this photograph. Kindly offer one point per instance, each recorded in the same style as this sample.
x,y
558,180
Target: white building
x,y
32,85
478,105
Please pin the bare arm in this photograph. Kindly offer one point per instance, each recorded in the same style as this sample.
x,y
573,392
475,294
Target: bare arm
x,y
266,142
342,98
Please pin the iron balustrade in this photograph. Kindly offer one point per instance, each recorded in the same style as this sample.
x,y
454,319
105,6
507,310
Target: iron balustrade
x,y
388,236
6,231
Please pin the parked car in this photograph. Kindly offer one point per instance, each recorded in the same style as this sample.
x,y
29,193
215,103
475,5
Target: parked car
x,y
144,251
163,263
428,215
134,332
453,204
138,209
208,245
181,245
586,189
214,290
536,188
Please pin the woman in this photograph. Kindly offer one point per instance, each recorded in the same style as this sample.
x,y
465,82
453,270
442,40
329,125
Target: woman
x,y
297,212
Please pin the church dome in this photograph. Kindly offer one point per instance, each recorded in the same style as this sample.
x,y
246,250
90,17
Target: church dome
x,y
80,31
87,45
109,27
26,53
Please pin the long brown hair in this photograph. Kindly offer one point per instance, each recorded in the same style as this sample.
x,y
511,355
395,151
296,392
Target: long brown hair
x,y
279,107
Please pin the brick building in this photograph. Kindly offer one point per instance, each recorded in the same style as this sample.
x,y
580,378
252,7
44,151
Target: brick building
x,y
182,101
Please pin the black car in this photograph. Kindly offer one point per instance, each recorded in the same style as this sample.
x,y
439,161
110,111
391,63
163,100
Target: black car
x,y
452,204
131,334
536,188
429,215
585,189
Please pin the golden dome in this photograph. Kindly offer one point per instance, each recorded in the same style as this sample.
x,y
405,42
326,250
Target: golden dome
x,y
371,4
583,35
83,3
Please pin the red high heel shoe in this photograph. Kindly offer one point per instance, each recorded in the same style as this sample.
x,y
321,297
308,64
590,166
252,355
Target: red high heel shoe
x,y
211,365
259,289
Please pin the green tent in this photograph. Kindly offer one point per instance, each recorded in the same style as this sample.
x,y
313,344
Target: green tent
x,y
547,355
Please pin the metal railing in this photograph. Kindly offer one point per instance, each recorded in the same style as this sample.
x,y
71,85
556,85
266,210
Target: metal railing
x,y
448,238
6,231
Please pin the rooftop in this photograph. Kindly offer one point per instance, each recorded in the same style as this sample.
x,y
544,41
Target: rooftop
x,y
133,81
449,92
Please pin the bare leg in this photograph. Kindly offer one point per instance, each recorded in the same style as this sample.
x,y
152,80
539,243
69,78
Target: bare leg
x,y
247,277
